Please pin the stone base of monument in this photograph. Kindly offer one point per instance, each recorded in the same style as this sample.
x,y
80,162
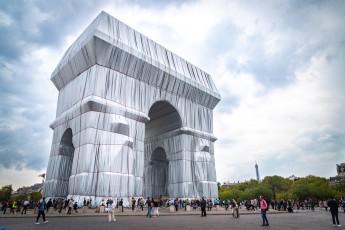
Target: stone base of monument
x,y
172,208
101,209
217,207
84,209
188,208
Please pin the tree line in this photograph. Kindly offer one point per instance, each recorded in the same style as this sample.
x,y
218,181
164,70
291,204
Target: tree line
x,y
271,187
6,195
277,187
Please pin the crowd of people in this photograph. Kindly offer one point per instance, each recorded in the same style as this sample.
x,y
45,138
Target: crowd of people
x,y
110,205
15,206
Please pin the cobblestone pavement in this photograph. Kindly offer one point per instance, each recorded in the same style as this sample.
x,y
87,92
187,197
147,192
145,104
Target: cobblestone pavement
x,y
318,219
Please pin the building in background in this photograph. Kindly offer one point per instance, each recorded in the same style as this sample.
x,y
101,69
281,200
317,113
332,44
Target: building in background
x,y
340,174
26,190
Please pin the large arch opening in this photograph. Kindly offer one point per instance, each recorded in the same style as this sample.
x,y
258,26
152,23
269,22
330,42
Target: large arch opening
x,y
66,150
163,119
159,177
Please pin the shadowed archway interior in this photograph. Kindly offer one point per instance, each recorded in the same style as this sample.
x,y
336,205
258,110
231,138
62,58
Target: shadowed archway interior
x,y
160,173
66,149
163,118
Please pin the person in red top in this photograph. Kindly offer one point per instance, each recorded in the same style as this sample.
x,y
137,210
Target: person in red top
x,y
263,207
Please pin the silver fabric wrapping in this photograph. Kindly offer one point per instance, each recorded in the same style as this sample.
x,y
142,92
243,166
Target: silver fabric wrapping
x,y
133,120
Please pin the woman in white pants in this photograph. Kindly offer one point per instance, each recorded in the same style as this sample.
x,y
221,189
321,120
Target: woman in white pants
x,y
111,208
155,207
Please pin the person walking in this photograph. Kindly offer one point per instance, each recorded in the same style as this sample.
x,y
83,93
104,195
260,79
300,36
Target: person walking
x,y
41,207
133,204
111,210
61,205
49,204
138,204
235,213
333,207
176,204
121,205
142,203
203,207
263,207
5,206
148,203
325,205
25,206
14,207
75,207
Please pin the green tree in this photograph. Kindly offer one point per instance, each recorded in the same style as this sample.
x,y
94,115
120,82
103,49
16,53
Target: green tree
x,y
35,196
246,190
262,190
20,197
311,187
284,196
277,184
340,187
5,192
300,190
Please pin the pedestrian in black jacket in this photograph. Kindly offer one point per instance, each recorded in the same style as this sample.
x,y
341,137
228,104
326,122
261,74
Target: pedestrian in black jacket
x,y
333,207
203,207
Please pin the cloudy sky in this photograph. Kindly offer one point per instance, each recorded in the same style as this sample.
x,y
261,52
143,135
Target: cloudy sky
x,y
278,65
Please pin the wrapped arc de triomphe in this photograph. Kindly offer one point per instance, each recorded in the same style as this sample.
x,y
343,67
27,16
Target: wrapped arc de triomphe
x,y
133,119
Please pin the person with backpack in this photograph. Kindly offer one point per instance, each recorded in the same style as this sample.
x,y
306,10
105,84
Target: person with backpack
x,y
263,207
41,207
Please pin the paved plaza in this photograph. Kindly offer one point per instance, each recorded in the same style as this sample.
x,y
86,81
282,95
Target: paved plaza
x,y
216,220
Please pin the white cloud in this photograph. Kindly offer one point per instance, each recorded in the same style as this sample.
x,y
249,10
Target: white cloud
x,y
5,19
268,126
31,19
